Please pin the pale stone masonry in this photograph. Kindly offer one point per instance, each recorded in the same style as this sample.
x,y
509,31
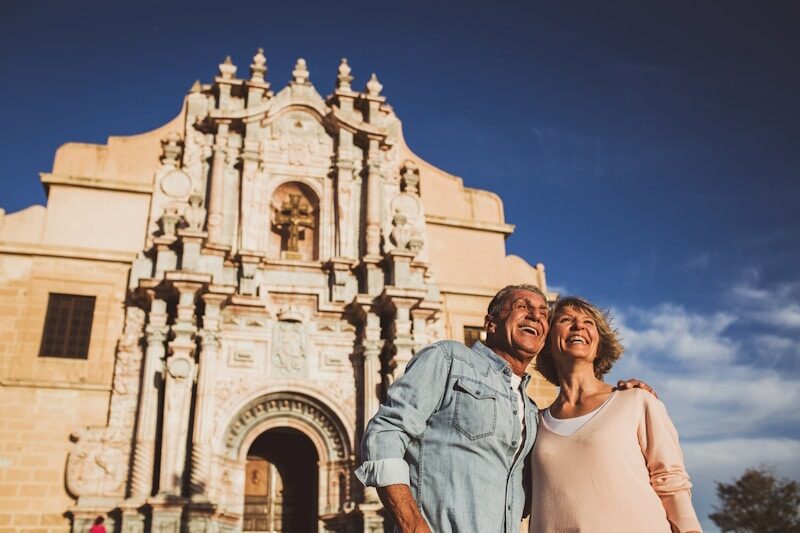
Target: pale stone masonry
x,y
263,266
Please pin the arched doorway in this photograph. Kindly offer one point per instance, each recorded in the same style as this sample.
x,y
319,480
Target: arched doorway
x,y
309,431
281,479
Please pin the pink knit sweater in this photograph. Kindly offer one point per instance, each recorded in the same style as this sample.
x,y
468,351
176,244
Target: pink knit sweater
x,y
621,472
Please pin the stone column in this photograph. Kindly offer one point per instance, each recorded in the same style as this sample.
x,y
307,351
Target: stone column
x,y
179,377
372,365
373,229
144,448
204,404
249,220
403,341
216,197
347,218
419,321
372,378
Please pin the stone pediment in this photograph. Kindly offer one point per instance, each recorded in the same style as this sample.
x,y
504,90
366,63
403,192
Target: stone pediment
x,y
299,95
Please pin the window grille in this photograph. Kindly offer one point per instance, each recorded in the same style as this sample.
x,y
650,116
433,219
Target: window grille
x,y
67,326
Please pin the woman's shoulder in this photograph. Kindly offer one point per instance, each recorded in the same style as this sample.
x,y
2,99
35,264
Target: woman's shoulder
x,y
638,397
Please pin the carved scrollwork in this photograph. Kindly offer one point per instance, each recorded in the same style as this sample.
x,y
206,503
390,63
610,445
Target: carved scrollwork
x,y
98,463
292,405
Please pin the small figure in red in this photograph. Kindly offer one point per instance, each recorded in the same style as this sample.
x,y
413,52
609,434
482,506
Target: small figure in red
x,y
98,526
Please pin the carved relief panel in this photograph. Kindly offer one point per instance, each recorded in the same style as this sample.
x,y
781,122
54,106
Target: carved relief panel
x,y
291,350
297,139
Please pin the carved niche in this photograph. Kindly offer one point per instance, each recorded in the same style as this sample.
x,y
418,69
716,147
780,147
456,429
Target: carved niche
x,y
294,223
404,229
403,226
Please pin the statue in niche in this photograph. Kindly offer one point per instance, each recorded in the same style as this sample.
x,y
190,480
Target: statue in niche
x,y
402,231
291,221
405,231
195,213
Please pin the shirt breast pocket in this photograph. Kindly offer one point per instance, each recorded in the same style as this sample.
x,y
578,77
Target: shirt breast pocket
x,y
476,409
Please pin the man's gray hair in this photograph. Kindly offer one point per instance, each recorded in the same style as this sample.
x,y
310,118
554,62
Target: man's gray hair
x,y
499,300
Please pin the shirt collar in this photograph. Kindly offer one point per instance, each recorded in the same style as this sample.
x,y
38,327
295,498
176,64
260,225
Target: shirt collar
x,y
495,361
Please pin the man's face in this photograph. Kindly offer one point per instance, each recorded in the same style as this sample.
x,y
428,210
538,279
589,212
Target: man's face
x,y
521,328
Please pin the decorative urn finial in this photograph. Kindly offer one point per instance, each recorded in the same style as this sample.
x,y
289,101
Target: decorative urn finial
x,y
227,69
300,72
344,78
258,68
374,87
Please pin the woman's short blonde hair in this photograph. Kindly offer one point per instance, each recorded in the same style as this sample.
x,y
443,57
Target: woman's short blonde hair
x,y
608,351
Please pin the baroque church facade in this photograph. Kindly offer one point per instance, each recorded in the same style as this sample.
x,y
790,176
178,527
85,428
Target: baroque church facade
x,y
198,326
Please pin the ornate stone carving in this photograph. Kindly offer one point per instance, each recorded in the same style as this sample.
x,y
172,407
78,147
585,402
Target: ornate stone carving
x,y
179,367
227,69
402,231
410,178
406,231
343,79
291,313
290,348
195,213
298,140
98,465
176,185
258,68
195,157
300,72
171,149
347,213
374,87
169,221
292,405
293,218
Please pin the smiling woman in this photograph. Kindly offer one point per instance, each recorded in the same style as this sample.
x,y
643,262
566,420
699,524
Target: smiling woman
x,y
604,460
609,348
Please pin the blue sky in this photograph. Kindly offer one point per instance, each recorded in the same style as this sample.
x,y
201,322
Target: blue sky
x,y
646,151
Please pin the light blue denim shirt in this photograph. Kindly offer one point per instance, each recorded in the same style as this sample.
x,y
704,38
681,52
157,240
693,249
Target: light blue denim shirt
x,y
449,428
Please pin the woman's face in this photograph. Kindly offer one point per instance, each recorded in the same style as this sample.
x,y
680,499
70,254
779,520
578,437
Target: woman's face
x,y
574,334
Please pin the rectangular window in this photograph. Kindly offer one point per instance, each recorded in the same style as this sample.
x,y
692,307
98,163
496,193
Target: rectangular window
x,y
67,326
472,334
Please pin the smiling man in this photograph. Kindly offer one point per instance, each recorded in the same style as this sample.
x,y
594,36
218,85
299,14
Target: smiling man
x,y
446,449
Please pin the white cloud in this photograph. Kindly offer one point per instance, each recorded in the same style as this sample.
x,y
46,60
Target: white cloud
x,y
788,317
671,332
776,306
730,380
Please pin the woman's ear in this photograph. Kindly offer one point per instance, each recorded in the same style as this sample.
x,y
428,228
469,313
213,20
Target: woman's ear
x,y
489,324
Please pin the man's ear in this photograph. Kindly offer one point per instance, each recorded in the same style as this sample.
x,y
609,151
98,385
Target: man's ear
x,y
489,324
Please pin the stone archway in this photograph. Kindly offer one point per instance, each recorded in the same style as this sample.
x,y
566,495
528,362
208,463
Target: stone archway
x,y
255,433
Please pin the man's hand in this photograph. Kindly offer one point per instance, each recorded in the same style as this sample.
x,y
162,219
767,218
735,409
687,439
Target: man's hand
x,y
635,384
397,499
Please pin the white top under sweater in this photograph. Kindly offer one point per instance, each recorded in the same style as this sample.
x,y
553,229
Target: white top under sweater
x,y
567,426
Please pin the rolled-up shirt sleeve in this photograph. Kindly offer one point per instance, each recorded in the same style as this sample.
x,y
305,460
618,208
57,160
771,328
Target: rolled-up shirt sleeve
x,y
410,402
668,477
